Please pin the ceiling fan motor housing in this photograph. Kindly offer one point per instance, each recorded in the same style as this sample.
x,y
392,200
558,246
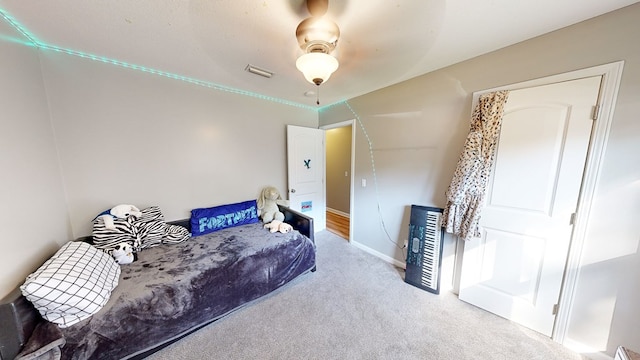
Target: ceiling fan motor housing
x,y
317,35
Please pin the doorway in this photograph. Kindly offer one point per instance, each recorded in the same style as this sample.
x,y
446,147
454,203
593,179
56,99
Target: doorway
x,y
340,140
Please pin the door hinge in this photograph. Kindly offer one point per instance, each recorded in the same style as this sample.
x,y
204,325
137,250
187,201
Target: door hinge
x,y
595,112
572,219
554,311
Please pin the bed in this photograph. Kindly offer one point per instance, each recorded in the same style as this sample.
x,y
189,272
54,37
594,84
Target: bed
x,y
169,292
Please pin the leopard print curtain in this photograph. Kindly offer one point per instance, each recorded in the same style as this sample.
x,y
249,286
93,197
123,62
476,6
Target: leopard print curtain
x,y
465,196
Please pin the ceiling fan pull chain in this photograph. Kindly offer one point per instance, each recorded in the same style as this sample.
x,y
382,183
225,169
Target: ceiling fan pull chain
x,y
318,95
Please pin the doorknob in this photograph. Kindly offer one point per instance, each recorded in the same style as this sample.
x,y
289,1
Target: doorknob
x,y
293,191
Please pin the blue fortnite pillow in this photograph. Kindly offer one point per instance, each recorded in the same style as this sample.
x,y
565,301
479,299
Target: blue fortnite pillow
x,y
206,220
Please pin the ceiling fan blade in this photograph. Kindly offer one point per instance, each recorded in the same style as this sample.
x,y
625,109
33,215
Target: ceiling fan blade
x,y
317,7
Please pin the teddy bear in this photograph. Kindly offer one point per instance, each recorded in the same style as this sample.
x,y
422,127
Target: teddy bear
x,y
120,212
277,225
123,253
268,202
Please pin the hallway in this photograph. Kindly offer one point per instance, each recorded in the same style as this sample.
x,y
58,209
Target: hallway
x,y
338,224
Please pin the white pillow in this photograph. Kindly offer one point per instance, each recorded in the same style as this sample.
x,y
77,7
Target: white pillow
x,y
75,283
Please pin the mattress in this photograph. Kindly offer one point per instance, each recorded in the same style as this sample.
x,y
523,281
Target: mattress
x,y
173,289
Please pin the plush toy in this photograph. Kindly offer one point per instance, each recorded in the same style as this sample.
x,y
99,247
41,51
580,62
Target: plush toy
x,y
268,205
284,228
277,225
123,253
119,211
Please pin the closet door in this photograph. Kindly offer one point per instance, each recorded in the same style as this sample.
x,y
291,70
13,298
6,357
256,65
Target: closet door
x,y
515,269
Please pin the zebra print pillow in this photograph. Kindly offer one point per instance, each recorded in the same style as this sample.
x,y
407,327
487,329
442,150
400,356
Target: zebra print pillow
x,y
175,234
150,227
153,230
141,233
107,239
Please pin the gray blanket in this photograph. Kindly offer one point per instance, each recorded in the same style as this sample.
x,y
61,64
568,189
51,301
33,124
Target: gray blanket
x,y
44,344
173,289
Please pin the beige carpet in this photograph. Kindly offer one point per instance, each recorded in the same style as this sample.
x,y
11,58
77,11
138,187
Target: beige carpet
x,y
357,306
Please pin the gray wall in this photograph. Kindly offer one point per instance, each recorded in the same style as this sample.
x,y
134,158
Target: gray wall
x,y
113,136
127,137
418,128
81,136
33,216
338,145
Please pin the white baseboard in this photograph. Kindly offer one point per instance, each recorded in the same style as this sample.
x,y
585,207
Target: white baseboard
x,y
380,255
585,350
338,212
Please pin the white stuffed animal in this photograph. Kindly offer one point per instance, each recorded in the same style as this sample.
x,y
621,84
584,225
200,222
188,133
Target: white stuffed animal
x,y
118,211
277,225
268,204
123,253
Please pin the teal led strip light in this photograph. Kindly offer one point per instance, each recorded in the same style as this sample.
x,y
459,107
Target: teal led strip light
x,y
203,83
123,64
31,39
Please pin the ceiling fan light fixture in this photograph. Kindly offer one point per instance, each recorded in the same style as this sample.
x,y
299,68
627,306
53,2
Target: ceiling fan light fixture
x,y
317,67
317,37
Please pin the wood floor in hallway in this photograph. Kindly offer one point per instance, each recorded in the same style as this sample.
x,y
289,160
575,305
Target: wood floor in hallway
x,y
338,224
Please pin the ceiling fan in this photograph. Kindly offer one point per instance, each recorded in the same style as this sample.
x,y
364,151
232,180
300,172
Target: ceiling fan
x,y
317,37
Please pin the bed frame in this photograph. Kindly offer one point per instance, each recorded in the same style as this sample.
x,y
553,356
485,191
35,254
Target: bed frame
x,y
19,318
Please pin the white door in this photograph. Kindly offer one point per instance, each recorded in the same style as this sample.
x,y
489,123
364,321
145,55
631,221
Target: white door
x,y
515,269
306,162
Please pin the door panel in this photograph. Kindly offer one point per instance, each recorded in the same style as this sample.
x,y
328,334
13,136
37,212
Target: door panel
x,y
531,136
515,269
306,166
521,253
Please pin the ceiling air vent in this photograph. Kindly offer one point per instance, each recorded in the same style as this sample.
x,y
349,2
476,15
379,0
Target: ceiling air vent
x,y
256,70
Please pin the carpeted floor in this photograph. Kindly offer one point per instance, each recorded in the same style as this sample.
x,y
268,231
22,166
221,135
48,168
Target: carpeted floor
x,y
356,306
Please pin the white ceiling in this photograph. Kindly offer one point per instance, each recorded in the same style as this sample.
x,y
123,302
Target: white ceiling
x,y
382,41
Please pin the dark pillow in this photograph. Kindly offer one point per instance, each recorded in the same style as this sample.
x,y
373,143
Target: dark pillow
x,y
206,220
